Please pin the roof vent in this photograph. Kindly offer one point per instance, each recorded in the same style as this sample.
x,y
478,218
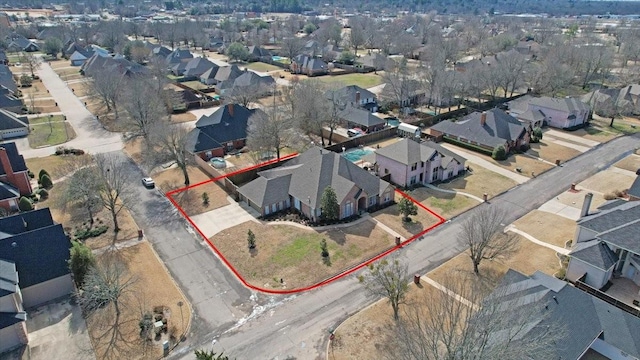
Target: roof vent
x,y
555,299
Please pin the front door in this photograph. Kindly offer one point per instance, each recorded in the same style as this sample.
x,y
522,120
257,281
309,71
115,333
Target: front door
x,y
348,209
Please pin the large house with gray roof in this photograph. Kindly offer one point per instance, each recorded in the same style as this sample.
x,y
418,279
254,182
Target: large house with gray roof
x,y
299,183
562,113
584,326
607,245
409,163
485,130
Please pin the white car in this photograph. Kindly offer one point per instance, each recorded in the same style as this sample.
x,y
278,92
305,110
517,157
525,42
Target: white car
x,y
148,182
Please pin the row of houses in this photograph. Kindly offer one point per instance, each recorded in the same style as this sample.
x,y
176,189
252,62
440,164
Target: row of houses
x,y
12,123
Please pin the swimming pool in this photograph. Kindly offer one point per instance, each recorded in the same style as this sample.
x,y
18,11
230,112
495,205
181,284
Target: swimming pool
x,y
356,155
278,58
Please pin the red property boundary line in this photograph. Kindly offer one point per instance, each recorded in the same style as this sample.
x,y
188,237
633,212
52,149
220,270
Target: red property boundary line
x,y
314,286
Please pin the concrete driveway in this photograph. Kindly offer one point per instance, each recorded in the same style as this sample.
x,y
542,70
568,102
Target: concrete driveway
x,y
214,221
474,159
90,135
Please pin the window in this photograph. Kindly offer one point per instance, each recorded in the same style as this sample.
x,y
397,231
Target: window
x,y
434,177
421,164
450,174
413,180
372,200
414,166
386,171
387,197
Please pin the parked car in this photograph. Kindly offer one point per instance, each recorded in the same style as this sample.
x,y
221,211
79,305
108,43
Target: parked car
x,y
148,183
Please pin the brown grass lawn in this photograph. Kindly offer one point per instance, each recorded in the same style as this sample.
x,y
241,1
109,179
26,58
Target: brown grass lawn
x,y
62,63
547,227
73,217
391,217
595,132
108,120
631,163
575,199
65,72
38,90
607,181
525,163
528,259
480,181
183,117
80,89
56,165
42,106
552,152
293,254
446,205
152,287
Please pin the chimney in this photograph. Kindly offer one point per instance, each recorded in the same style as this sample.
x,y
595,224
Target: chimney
x,y
483,118
586,205
357,97
6,164
230,108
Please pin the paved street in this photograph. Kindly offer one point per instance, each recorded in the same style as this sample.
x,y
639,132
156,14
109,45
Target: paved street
x,y
90,135
298,325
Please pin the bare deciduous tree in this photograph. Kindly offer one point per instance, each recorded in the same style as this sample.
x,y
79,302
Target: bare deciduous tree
x,y
83,188
115,185
389,279
32,62
466,323
144,104
309,107
269,130
357,33
106,85
292,46
482,232
171,141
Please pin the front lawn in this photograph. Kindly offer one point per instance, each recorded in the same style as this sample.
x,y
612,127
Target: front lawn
x,y
293,254
48,135
363,80
196,85
551,152
262,67
631,163
480,181
547,227
56,165
390,216
444,204
46,119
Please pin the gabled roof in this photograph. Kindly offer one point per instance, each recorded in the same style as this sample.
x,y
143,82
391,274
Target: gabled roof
x,y
22,43
265,191
177,55
9,318
40,253
566,104
161,51
197,66
619,226
10,121
211,73
596,253
214,130
3,56
8,191
360,117
79,55
409,152
73,47
499,127
348,93
312,172
581,316
251,79
6,78
226,73
259,52
16,160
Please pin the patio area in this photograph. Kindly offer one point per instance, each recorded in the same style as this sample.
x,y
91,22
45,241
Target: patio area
x,y
625,290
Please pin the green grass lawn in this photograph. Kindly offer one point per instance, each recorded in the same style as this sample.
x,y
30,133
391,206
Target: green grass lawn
x,y
45,119
363,80
262,67
45,135
173,77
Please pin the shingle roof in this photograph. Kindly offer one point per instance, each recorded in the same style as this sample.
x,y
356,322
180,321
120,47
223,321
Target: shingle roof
x,y
498,128
177,55
8,191
595,253
582,317
266,191
211,73
348,93
226,73
634,190
8,278
258,51
198,66
220,127
315,170
360,117
10,121
6,78
612,218
408,152
9,318
16,160
40,253
251,79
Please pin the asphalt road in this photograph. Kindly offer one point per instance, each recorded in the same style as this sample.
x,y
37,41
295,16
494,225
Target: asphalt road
x,y
246,325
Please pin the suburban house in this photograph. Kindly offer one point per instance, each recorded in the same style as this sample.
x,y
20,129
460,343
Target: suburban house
x,y
528,47
353,117
221,132
161,51
584,326
4,60
10,102
209,76
21,43
226,75
7,80
257,53
409,162
248,82
625,99
373,62
311,48
33,269
178,68
487,130
307,65
299,183
197,66
634,190
71,48
412,93
355,96
562,113
12,125
14,177
176,56
606,244
116,63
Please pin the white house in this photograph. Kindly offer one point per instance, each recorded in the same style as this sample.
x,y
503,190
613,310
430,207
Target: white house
x,y
562,113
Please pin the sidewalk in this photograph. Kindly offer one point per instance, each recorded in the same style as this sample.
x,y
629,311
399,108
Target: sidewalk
x,y
474,159
90,135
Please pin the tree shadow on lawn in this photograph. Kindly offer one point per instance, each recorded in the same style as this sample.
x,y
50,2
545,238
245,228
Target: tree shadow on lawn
x,y
339,235
535,149
413,227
